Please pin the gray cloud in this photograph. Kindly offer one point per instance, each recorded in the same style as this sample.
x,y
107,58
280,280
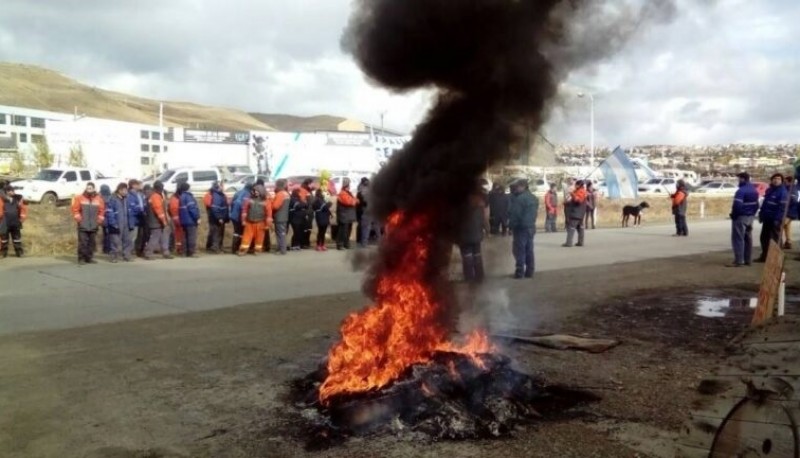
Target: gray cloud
x,y
693,72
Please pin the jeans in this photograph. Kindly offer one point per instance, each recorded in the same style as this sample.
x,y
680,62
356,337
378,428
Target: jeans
x,y
121,244
522,245
742,239
472,262
190,240
550,222
575,225
159,238
87,241
770,230
280,234
680,225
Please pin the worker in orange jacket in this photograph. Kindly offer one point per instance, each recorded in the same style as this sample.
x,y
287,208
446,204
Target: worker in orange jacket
x,y
345,215
13,212
280,211
88,211
159,223
679,206
576,213
256,216
174,214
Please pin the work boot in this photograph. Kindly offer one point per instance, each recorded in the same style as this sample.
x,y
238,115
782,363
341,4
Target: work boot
x,y
169,256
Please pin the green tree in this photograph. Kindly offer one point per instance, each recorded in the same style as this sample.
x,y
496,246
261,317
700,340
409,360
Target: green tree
x,y
76,157
43,158
17,165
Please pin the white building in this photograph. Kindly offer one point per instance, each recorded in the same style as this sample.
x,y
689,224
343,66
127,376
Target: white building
x,y
20,129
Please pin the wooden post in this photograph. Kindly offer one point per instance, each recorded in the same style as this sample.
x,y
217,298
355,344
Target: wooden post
x,y
770,284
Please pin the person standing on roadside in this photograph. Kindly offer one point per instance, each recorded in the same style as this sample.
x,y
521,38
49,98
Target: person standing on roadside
x,y
158,222
118,225
568,188
280,212
236,215
13,212
256,215
499,202
791,212
551,209
298,211
743,212
174,209
306,196
591,205
368,222
522,223
322,214
136,215
217,209
88,211
680,205
771,214
105,194
345,215
474,225
188,218
576,212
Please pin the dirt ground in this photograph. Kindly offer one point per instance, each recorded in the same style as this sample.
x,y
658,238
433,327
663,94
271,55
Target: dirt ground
x,y
213,384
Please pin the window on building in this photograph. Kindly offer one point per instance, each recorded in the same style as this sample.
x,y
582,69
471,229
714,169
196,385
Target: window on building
x,y
183,176
37,122
145,148
86,176
2,118
71,176
19,120
204,175
37,138
166,148
155,135
169,136
156,149
23,138
145,160
145,134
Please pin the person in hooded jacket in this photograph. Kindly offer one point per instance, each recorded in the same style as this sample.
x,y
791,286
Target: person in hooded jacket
x,y
173,209
159,223
236,215
345,215
298,211
322,214
280,211
499,203
118,225
771,214
680,205
189,217
13,212
217,208
88,211
256,215
522,223
105,194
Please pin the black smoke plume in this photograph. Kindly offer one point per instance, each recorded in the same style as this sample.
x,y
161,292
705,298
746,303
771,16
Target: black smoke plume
x,y
495,65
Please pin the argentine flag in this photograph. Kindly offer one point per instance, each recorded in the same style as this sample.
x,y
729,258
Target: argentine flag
x,y
620,176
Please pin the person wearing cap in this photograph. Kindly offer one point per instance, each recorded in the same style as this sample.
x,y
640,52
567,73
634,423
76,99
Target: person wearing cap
x,y
158,222
576,212
551,207
118,226
88,211
256,215
771,214
522,223
743,212
680,204
13,212
345,215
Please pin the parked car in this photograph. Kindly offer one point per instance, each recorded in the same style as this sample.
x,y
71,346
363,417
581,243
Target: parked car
x,y
53,185
199,178
659,186
717,188
239,183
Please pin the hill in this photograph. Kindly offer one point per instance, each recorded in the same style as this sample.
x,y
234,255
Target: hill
x,y
39,88
289,123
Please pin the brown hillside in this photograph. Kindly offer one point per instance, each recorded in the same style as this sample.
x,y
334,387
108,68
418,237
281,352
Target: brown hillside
x,y
289,123
35,87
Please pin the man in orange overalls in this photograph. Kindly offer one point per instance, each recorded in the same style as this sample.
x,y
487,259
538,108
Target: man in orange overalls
x,y
256,216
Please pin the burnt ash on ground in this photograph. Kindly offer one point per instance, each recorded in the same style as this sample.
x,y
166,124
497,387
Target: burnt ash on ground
x,y
452,398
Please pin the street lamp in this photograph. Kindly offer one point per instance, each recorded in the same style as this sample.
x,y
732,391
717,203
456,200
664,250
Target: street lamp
x,y
591,147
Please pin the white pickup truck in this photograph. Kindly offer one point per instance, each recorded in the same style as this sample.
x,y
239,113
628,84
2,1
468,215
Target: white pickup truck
x,y
52,185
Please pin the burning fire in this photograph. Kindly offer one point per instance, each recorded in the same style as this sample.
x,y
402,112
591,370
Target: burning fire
x,y
403,328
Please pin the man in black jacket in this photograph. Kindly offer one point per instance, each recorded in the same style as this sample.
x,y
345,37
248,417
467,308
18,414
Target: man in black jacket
x,y
498,210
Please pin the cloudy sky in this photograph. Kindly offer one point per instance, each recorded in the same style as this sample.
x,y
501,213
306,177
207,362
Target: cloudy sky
x,y
721,71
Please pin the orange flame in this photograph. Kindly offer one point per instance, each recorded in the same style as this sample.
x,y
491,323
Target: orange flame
x,y
403,328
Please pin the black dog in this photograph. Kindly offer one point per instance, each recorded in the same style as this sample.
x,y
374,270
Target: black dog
x,y
635,211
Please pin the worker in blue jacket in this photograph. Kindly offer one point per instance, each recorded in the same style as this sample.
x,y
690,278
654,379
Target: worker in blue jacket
x,y
189,216
771,215
236,215
118,225
745,207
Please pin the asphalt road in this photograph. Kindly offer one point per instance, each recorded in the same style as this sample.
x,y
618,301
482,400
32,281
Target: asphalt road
x,y
41,293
